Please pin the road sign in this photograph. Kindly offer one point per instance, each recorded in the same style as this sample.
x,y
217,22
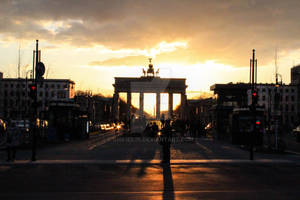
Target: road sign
x,y
40,70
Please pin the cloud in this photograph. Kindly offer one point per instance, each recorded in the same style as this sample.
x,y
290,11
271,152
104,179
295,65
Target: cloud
x,y
125,61
225,31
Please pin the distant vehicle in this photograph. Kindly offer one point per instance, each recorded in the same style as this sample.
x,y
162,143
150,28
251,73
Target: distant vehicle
x,y
242,124
137,126
2,132
2,125
296,133
24,126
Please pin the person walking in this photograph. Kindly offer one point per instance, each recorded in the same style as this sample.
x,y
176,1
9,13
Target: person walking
x,y
166,142
13,141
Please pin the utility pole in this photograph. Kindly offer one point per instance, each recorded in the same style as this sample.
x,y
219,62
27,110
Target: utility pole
x,y
35,109
254,95
38,71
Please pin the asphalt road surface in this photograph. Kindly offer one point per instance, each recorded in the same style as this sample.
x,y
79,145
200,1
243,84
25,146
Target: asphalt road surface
x,y
118,167
143,181
118,147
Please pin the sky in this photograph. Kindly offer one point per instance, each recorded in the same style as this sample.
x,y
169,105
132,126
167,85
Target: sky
x,y
204,41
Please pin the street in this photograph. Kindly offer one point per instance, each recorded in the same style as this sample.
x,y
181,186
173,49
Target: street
x,y
203,181
123,167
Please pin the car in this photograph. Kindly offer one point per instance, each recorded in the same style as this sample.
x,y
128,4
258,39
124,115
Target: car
x,y
296,133
2,132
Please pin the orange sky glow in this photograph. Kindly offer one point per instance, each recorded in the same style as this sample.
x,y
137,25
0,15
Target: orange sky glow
x,y
206,42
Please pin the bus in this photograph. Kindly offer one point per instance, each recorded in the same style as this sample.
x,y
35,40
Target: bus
x,y
242,124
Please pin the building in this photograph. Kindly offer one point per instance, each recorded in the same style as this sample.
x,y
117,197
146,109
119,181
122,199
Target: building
x,y
288,103
97,108
200,109
15,102
295,80
230,96
295,75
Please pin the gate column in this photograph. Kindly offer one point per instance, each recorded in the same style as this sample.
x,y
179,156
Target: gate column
x,y
170,111
128,105
141,104
116,106
157,105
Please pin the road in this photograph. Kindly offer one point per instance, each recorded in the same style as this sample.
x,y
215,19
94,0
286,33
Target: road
x,y
201,181
123,167
119,147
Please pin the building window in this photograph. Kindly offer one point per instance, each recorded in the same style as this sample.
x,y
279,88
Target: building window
x,y
287,108
52,85
46,94
263,98
263,90
293,90
286,98
41,94
11,85
61,94
46,85
286,90
292,98
52,94
58,86
292,107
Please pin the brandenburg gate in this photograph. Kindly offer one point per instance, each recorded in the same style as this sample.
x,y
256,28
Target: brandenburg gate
x,y
150,82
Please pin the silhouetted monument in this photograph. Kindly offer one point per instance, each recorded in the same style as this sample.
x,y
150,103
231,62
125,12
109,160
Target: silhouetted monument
x,y
150,82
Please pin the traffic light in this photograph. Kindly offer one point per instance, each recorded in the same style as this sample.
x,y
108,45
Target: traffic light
x,y
32,91
254,97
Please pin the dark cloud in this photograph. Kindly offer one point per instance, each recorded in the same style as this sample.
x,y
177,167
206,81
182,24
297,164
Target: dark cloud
x,y
221,30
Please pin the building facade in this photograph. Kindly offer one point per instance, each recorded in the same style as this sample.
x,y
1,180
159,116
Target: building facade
x,y
288,102
230,96
15,101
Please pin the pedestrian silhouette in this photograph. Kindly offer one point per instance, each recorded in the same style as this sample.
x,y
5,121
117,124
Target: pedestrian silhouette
x,y
166,141
13,141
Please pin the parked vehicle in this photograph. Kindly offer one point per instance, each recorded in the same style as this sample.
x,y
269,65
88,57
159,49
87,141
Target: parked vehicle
x,y
296,133
2,132
24,127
